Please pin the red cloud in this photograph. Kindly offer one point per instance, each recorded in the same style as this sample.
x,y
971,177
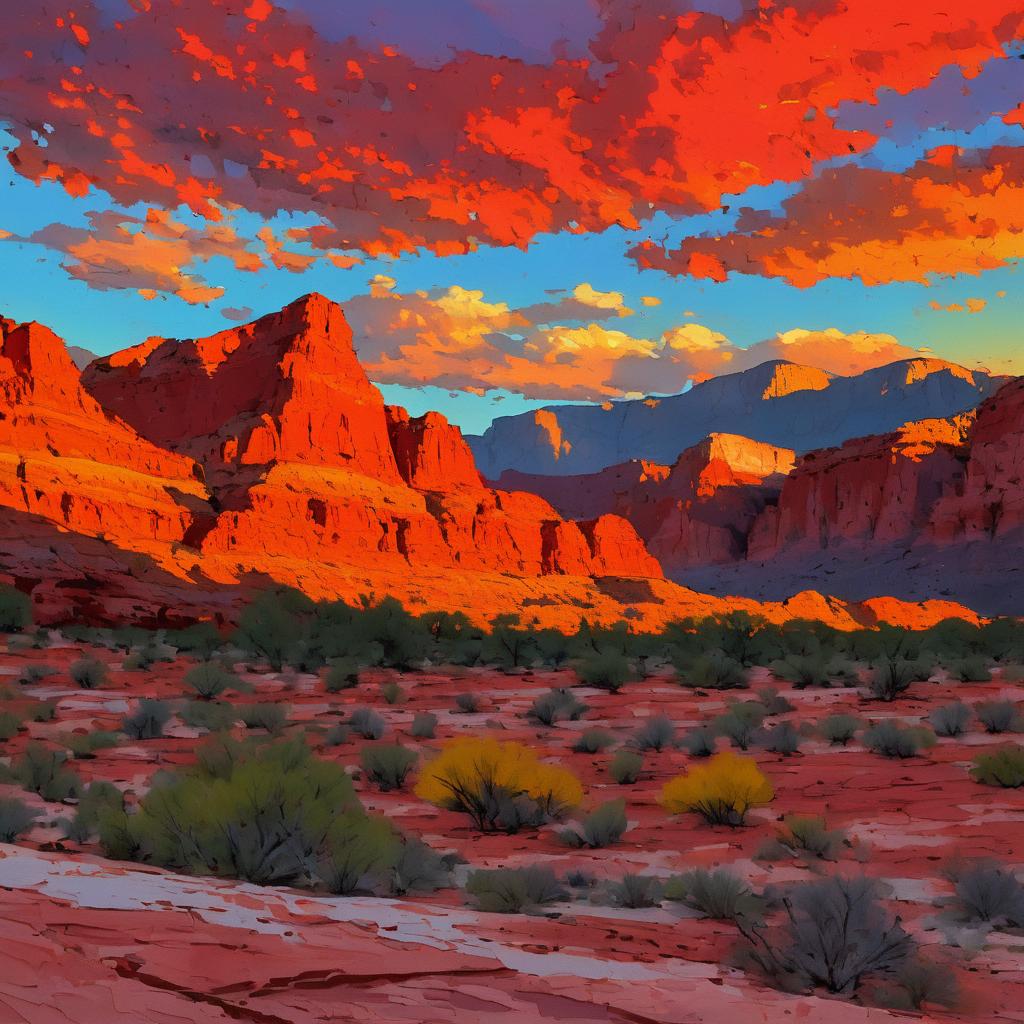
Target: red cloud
x,y
951,213
211,103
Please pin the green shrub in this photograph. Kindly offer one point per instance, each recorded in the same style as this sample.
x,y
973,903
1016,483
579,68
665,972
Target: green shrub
x,y
713,670
593,741
556,706
809,834
271,717
88,673
387,765
780,739
817,669
43,771
895,739
604,826
999,716
607,670
424,725
893,676
625,767
83,745
950,719
202,639
511,890
973,669
15,610
467,703
337,735
1003,767
42,711
210,679
699,742
208,714
773,702
341,675
274,626
720,894
32,674
657,733
147,721
10,724
392,693
990,893
99,799
740,724
417,868
367,723
840,729
16,818
636,891
917,983
358,849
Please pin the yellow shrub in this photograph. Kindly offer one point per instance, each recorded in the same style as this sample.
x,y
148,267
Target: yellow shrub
x,y
723,790
499,785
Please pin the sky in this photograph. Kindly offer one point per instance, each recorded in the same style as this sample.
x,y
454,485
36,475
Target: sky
x,y
521,202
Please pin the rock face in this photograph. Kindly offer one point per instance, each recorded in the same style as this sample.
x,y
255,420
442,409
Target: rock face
x,y
777,403
696,512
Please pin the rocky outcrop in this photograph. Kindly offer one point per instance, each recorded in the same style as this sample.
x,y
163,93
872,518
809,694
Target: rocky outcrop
x,y
431,454
778,403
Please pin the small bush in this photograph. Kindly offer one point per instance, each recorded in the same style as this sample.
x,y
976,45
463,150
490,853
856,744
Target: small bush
x,y
722,791
602,827
33,674
16,818
998,716
10,724
556,706
605,671
950,719
893,676
815,669
636,891
657,733
720,894
773,702
15,610
809,834
424,725
839,729
42,711
210,679
699,742
392,693
511,890
780,739
918,983
147,721
895,739
467,703
83,745
358,850
593,741
388,766
367,723
271,717
990,893
210,715
740,724
1003,767
625,767
713,671
499,785
43,771
973,669
336,735
88,673
836,933
417,868
99,799
341,675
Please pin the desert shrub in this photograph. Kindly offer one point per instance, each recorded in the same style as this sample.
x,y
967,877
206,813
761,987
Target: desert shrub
x,y
499,785
780,739
424,724
593,741
274,626
1003,767
815,669
657,733
950,719
265,813
511,890
467,703
367,723
207,714
809,834
740,724
604,826
605,670
721,791
636,891
387,765
147,721
417,868
392,693
16,818
896,739
507,644
893,676
773,702
44,771
341,675
998,716
699,742
15,610
10,724
357,849
720,894
32,674
99,799
836,933
625,767
210,679
741,637
712,670
201,639
580,878
395,637
271,717
88,673
973,669
990,893
917,983
839,729
42,711
556,706
83,745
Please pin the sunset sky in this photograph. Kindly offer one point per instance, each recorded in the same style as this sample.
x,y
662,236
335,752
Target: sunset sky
x,y
523,201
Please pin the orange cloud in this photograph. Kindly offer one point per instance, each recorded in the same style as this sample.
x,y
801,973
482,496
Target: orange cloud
x,y
951,213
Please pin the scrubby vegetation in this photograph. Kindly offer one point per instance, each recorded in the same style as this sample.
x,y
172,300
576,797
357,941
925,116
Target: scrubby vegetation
x,y
721,791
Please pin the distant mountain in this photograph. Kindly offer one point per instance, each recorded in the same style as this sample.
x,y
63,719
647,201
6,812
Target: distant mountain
x,y
81,357
778,403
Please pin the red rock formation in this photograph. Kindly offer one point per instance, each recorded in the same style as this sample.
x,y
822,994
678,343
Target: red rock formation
x,y
431,454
